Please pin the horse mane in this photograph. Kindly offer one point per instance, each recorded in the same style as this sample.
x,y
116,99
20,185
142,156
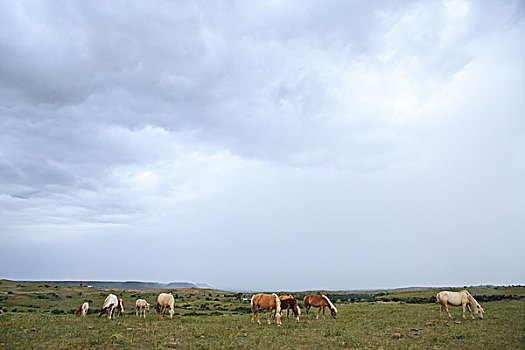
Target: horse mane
x,y
332,306
277,303
470,297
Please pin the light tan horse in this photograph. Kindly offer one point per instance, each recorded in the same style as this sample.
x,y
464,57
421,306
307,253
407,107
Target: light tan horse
x,y
456,299
267,302
320,301
110,304
288,302
82,309
163,301
141,306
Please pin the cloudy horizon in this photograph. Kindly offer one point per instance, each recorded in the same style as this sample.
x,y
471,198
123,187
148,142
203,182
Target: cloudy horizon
x,y
263,145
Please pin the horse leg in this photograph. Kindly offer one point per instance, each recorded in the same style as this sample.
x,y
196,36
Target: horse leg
x,y
470,311
270,315
447,310
307,307
257,313
441,311
323,312
464,307
318,313
287,312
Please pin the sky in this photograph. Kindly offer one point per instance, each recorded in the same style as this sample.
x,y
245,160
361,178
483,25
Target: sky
x,y
263,145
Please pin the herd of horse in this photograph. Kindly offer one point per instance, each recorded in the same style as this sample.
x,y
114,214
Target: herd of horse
x,y
274,303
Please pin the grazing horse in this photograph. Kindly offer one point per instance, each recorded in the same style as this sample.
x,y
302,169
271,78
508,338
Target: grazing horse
x,y
163,301
267,302
110,304
82,309
320,301
456,299
141,306
288,302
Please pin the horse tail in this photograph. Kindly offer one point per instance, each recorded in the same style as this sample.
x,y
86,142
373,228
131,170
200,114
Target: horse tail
x,y
277,303
252,303
158,307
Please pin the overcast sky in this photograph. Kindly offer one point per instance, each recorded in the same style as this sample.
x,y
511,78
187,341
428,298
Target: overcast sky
x,y
263,145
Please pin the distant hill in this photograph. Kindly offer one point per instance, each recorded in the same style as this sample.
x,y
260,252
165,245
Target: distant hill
x,y
130,284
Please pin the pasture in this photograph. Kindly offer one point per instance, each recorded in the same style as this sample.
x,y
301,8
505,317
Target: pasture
x,y
36,316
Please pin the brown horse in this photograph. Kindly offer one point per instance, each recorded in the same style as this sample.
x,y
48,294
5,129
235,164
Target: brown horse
x,y
267,302
288,302
320,301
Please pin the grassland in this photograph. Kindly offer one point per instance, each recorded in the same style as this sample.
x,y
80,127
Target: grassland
x,y
37,316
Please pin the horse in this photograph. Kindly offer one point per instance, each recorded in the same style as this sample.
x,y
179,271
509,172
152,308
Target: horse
x,y
288,302
267,302
82,309
320,301
140,306
110,304
163,301
456,299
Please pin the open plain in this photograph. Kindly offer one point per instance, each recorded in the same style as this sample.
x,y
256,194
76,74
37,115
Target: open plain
x,y
38,315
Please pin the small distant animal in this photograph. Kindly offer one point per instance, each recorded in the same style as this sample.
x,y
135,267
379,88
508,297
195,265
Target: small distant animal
x,y
82,309
141,306
320,301
462,298
164,301
267,302
110,304
288,302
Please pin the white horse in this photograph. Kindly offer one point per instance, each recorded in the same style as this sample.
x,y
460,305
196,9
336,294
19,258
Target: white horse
x,y
456,299
82,309
141,306
163,301
110,304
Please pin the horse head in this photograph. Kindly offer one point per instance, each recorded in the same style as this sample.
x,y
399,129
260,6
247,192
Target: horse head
x,y
333,312
120,307
478,310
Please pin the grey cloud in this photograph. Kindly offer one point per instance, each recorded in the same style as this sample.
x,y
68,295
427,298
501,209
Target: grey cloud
x,y
393,121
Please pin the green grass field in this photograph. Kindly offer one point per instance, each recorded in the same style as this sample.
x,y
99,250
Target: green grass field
x,y
37,316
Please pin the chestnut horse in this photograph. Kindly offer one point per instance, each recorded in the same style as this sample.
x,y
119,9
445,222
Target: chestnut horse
x,y
267,302
456,299
110,304
288,302
82,309
320,301
163,301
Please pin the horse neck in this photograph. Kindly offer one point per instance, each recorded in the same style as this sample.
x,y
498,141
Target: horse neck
x,y
471,299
